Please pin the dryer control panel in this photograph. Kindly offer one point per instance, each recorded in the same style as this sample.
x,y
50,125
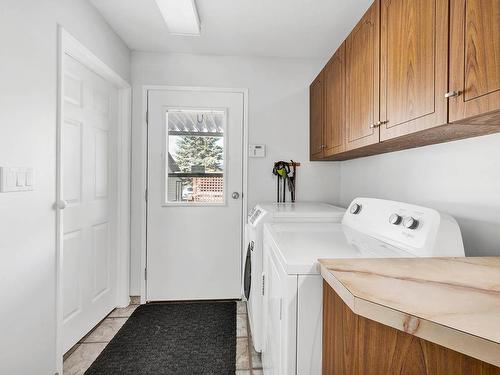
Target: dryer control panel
x,y
421,231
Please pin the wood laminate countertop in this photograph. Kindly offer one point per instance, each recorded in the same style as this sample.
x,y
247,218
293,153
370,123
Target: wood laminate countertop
x,y
453,302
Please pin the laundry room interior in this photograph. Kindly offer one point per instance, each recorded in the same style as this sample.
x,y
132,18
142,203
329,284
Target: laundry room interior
x,y
250,187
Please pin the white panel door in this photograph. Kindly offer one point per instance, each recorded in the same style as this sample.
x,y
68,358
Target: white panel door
x,y
88,175
194,220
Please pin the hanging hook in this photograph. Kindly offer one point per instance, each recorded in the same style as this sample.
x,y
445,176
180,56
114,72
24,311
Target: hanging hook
x,y
198,119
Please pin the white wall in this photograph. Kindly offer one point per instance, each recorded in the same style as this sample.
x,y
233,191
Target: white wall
x,y
28,107
461,178
278,117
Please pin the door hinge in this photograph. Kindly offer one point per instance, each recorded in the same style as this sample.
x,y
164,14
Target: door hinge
x,y
145,273
146,195
263,282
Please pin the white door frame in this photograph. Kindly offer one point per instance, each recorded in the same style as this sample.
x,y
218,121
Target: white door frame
x,y
144,164
68,45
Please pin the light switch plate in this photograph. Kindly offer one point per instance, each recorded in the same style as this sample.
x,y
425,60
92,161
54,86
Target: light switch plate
x,y
257,151
16,179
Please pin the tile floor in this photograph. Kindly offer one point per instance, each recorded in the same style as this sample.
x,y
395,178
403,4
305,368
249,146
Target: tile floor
x,y
81,356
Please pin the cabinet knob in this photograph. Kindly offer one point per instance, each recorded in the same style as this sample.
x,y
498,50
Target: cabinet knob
x,y
452,94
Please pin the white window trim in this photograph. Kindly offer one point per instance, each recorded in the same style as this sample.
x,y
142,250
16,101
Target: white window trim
x,y
166,203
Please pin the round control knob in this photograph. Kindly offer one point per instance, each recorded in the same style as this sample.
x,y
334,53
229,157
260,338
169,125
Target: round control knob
x,y
410,223
355,209
395,219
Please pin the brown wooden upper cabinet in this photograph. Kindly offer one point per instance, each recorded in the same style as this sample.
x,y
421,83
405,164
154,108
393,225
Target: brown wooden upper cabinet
x,y
398,90
316,119
334,124
327,96
362,81
413,66
474,60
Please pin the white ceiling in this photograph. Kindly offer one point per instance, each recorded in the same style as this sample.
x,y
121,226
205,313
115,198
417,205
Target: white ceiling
x,y
278,28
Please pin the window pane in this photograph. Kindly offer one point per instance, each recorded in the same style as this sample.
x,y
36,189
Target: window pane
x,y
195,145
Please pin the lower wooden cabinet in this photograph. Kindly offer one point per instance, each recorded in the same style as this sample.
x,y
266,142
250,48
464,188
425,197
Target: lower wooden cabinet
x,y
354,345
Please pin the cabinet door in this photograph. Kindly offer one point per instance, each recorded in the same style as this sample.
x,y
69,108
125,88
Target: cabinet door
x,y
474,58
362,80
340,337
333,131
413,66
316,108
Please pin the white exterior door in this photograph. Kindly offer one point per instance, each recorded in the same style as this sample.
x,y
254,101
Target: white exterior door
x,y
89,185
194,208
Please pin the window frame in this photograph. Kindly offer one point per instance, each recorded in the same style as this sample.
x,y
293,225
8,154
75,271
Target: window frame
x,y
165,202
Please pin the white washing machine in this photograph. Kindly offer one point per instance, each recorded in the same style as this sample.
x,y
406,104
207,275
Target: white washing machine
x,y
312,212
293,284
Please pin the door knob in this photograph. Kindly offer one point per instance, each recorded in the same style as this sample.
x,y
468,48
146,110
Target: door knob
x,y
62,204
235,195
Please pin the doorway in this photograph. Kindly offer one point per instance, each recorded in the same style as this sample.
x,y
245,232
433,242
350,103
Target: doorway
x,y
93,199
194,194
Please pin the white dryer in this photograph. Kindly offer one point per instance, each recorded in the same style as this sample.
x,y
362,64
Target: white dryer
x,y
311,212
293,284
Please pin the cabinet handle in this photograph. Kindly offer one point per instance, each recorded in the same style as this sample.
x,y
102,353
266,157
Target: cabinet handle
x,y
452,94
377,124
322,146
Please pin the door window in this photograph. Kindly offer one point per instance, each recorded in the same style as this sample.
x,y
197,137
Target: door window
x,y
195,157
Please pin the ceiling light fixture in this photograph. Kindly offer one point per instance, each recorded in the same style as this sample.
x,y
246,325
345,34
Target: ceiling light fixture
x,y
181,16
